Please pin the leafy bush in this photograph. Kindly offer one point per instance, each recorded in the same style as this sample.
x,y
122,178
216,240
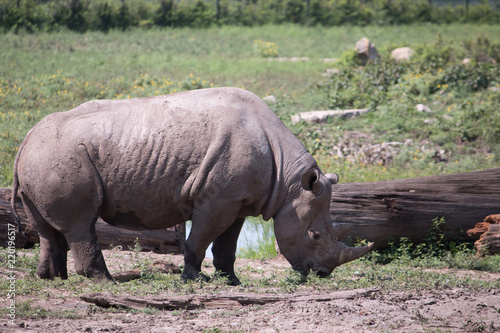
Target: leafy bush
x,y
461,108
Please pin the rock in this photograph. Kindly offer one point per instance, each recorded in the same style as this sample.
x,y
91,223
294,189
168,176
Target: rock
x,y
494,89
366,50
270,99
331,72
402,53
368,154
423,108
321,116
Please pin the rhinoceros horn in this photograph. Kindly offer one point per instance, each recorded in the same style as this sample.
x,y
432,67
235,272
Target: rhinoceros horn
x,y
352,253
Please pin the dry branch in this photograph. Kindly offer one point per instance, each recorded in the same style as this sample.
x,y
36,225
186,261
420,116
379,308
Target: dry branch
x,y
214,301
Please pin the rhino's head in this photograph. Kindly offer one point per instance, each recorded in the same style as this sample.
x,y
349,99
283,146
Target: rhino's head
x,y
304,231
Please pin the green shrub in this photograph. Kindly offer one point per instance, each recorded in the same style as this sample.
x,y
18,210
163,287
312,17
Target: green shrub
x,y
462,109
437,250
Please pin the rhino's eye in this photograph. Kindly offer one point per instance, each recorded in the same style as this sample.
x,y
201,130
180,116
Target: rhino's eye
x,y
314,234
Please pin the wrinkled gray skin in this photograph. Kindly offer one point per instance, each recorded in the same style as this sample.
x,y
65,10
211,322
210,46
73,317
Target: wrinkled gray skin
x,y
212,156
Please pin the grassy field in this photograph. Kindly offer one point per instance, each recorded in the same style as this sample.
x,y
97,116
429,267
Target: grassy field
x,y
49,72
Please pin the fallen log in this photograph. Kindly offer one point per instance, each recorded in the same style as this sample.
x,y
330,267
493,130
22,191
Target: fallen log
x,y
323,115
159,241
389,210
191,302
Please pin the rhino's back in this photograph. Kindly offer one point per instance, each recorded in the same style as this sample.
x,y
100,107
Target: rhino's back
x,y
156,155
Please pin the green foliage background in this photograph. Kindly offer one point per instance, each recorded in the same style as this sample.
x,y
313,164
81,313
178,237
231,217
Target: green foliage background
x,y
103,15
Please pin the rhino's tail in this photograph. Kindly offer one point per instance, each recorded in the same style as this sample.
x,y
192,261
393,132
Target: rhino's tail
x,y
15,187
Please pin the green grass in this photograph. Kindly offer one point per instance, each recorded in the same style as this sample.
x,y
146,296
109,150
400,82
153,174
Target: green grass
x,y
43,73
403,267
264,247
400,274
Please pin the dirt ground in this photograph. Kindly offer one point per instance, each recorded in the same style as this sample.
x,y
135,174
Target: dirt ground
x,y
431,311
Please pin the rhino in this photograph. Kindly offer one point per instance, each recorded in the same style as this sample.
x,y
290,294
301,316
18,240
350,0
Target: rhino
x,y
213,156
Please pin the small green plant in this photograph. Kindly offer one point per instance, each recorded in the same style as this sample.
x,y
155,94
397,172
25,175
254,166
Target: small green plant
x,y
478,326
213,330
136,248
266,49
26,310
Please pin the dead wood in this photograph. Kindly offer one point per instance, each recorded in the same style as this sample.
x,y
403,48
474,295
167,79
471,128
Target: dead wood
x,y
487,234
158,241
489,243
381,211
215,301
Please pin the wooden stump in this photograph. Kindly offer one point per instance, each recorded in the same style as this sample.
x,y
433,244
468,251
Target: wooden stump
x,y
487,234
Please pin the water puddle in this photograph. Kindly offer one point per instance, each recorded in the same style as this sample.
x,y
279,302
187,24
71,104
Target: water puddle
x,y
253,233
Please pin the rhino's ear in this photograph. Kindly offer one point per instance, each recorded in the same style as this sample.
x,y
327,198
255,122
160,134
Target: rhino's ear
x,y
310,181
333,178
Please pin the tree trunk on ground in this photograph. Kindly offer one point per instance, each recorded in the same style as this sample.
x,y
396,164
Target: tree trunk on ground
x,y
381,211
159,241
191,302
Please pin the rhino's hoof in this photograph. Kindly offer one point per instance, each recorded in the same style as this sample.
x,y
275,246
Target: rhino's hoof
x,y
192,276
234,281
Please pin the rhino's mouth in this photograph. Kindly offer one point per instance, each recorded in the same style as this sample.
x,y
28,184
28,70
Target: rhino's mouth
x,y
321,271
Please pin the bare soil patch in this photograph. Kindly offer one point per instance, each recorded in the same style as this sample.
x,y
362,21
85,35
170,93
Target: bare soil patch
x,y
455,310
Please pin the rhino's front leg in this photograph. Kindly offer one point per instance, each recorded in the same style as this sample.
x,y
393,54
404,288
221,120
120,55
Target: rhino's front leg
x,y
209,221
193,257
224,251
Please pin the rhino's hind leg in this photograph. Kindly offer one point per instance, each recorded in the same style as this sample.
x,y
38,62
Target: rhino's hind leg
x,y
82,212
87,254
53,246
70,204
224,251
